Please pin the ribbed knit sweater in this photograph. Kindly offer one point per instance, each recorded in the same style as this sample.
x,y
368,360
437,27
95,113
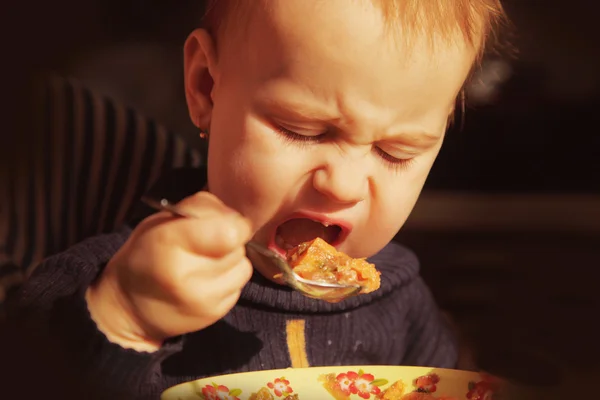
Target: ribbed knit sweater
x,y
270,327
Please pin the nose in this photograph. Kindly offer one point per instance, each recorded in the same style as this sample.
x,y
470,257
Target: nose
x,y
345,182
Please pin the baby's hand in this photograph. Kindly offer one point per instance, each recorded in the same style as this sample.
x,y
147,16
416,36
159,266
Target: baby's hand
x,y
173,276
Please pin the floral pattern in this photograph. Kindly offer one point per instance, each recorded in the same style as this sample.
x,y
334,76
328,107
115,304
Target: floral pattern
x,y
425,387
427,383
219,392
359,384
424,396
363,385
488,388
281,387
354,383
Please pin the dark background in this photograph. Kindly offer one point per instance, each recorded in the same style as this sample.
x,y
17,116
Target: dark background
x,y
508,227
536,133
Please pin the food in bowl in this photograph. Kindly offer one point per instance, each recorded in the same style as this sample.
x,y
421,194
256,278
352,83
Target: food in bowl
x,y
265,394
345,383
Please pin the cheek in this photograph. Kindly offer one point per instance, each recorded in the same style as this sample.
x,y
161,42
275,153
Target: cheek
x,y
234,174
390,207
250,169
231,172
393,210
398,196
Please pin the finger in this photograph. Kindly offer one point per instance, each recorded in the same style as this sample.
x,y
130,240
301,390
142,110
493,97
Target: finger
x,y
212,230
204,268
223,228
204,203
213,236
198,205
238,276
221,286
218,309
186,274
229,302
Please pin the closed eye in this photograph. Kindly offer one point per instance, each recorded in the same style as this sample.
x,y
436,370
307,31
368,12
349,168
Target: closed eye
x,y
298,137
393,162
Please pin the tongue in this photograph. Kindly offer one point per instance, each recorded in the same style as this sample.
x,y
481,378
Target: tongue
x,y
300,230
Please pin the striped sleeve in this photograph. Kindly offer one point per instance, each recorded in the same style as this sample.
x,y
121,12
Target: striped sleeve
x,y
97,158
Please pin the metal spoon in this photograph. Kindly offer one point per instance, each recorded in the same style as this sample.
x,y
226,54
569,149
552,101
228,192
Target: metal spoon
x,y
331,292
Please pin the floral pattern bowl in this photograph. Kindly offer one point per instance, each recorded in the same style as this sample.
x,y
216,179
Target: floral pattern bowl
x,y
343,383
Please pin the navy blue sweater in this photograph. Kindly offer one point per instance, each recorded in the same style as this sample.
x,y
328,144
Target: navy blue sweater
x,y
52,332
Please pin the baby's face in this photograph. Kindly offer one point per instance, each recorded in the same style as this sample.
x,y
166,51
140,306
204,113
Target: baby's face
x,y
320,113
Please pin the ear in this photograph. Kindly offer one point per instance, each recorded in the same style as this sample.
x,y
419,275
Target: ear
x,y
199,63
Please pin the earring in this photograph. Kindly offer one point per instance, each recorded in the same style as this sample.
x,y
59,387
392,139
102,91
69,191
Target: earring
x,y
204,134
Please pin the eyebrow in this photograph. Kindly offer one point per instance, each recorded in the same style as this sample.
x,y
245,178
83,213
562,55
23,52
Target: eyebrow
x,y
417,137
301,111
296,110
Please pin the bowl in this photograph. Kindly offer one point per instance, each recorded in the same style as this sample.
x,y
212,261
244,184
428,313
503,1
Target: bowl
x,y
343,383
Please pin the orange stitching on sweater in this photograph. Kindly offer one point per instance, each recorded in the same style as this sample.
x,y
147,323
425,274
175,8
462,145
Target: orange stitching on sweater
x,y
296,341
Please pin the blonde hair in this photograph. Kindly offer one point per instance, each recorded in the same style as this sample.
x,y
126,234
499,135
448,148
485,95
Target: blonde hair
x,y
478,21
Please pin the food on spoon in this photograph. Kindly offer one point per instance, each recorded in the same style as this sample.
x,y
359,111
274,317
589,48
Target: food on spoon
x,y
319,261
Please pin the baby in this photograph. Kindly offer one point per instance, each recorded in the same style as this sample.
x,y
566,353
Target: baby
x,y
323,118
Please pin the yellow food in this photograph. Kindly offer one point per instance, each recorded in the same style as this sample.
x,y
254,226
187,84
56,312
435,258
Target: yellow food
x,y
394,392
330,383
319,261
263,394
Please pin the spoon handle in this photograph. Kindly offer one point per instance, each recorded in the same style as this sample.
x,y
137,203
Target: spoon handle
x,y
164,204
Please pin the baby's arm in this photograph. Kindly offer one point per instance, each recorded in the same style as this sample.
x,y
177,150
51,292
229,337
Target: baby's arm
x,y
114,307
431,341
51,338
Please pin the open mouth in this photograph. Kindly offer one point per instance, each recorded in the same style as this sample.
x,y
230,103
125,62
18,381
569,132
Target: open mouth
x,y
300,229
